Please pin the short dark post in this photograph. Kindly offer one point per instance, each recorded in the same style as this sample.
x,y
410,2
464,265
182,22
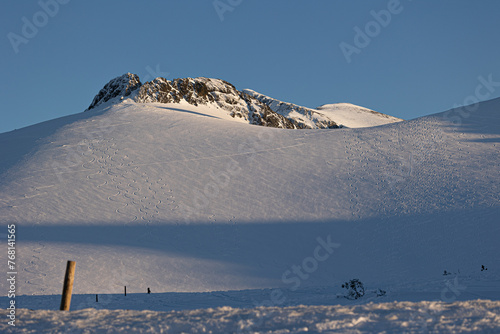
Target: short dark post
x,y
125,291
96,299
69,278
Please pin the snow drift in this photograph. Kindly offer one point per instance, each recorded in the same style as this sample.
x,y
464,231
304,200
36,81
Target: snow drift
x,y
403,317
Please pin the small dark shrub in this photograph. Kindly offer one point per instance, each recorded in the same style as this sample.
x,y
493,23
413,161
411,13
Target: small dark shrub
x,y
355,289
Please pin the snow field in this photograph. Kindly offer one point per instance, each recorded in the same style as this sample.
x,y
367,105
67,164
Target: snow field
x,y
174,198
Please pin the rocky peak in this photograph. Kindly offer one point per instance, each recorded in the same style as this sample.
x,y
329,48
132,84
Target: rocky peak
x,y
215,92
247,105
118,87
194,91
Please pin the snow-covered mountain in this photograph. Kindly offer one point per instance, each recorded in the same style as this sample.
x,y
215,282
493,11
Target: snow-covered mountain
x,y
247,105
163,189
200,91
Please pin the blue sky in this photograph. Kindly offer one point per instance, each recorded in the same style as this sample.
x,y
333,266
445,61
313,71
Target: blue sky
x,y
426,58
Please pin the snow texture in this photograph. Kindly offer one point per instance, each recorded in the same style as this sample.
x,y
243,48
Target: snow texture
x,y
398,317
353,116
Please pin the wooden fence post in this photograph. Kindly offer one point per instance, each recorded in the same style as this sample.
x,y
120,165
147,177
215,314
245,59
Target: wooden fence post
x,y
69,278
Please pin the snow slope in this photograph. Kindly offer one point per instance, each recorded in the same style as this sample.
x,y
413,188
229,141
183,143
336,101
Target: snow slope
x,y
172,197
353,116
344,114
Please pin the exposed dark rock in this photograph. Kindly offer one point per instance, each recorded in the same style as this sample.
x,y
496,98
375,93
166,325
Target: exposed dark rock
x,y
204,91
121,86
220,93
300,117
